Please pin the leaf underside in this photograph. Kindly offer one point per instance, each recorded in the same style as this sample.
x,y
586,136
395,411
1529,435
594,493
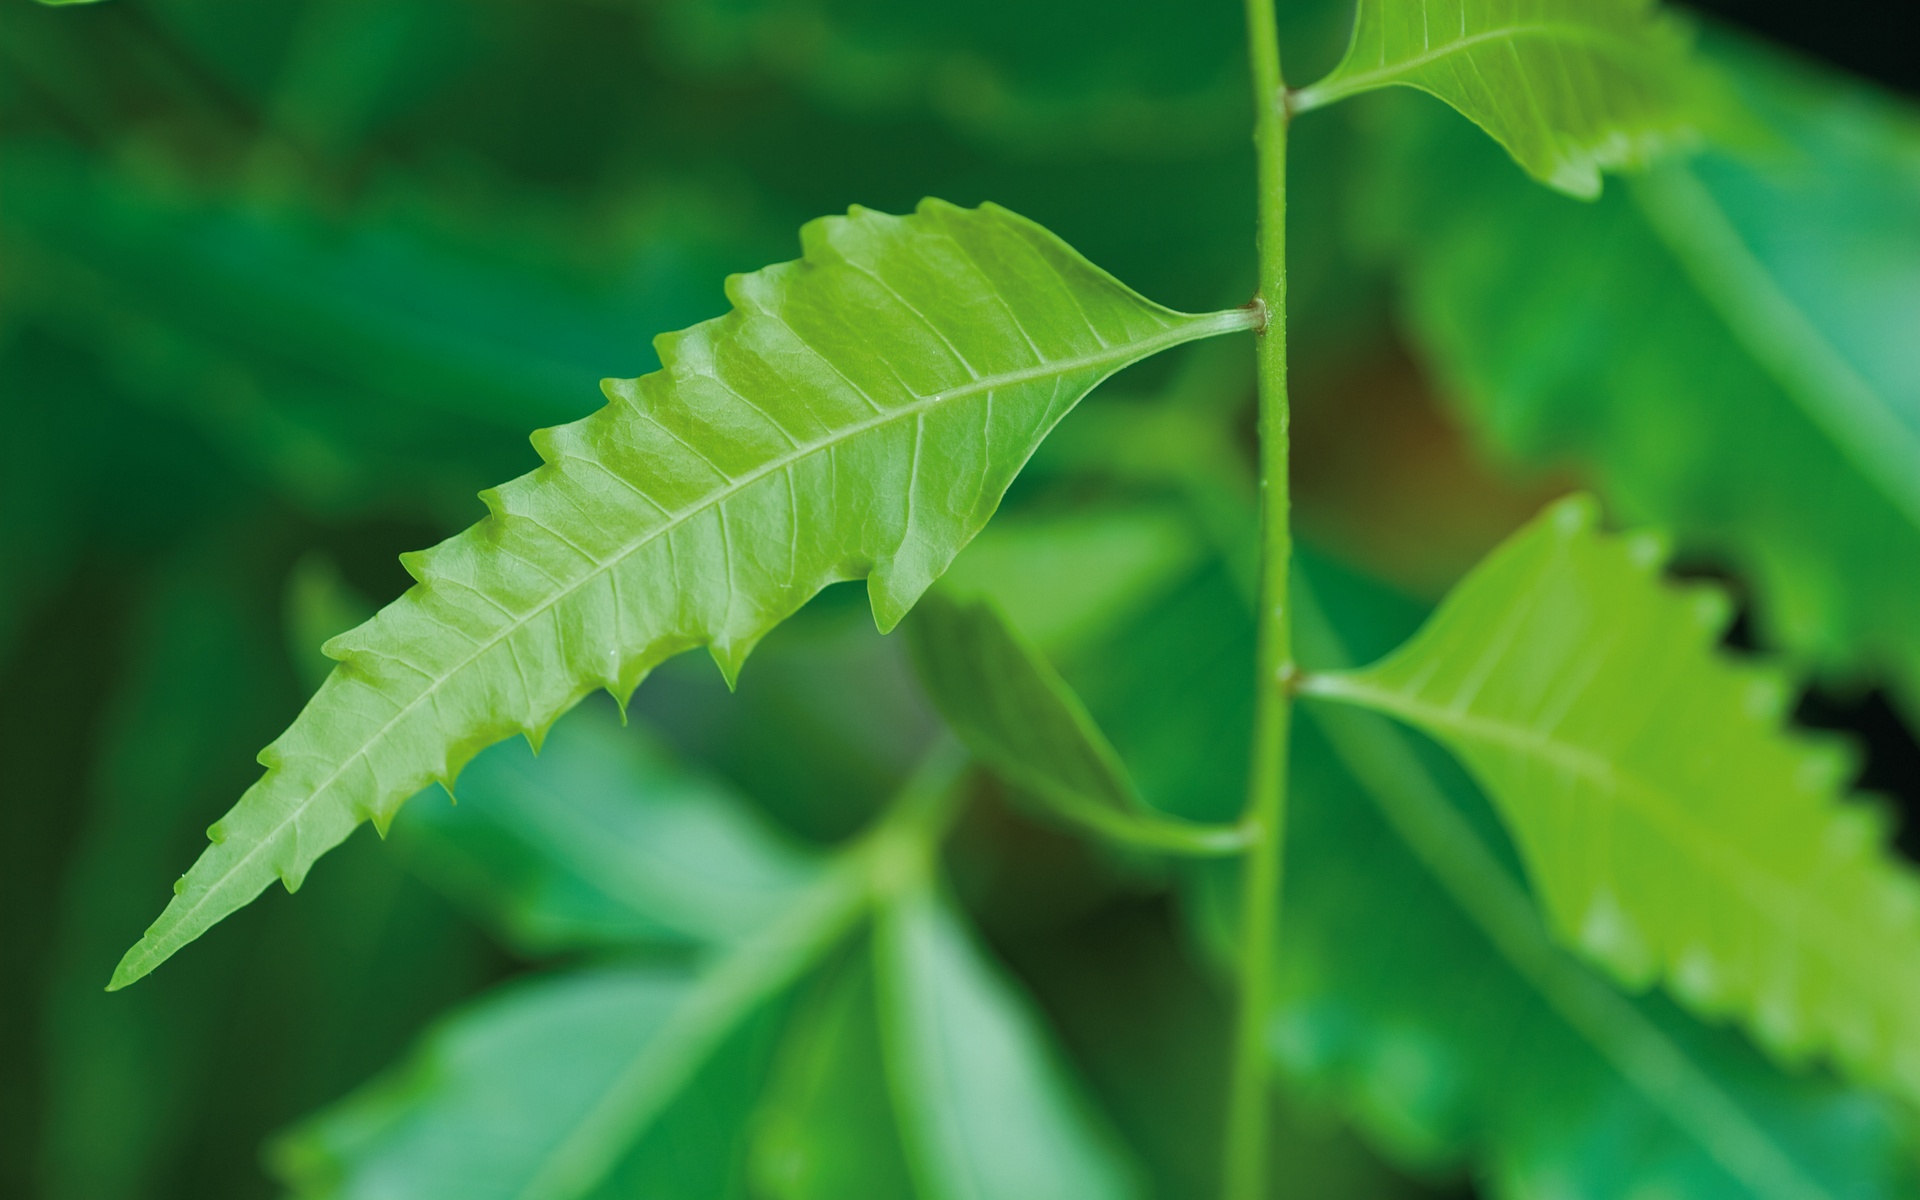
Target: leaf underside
x,y
1672,828
1569,87
859,414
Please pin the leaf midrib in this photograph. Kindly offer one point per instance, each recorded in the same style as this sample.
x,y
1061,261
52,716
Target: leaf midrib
x,y
1336,86
1192,328
1758,885
1456,857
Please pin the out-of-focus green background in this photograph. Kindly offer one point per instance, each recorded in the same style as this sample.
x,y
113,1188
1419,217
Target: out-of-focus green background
x,y
283,285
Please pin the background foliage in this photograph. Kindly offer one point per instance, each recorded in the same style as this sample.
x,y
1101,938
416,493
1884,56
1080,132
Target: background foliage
x,y
286,284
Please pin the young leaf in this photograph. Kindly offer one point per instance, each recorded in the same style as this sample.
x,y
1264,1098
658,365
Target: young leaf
x,y
1715,345
1569,87
986,1109
604,840
1673,829
1421,995
1014,711
1473,971
859,414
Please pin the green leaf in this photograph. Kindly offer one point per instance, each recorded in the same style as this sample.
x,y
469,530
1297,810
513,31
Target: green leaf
x,y
859,414
603,840
985,1105
1420,994
1673,829
1719,348
1067,580
623,1065
1013,710
501,1100
1133,79
825,1128
1569,87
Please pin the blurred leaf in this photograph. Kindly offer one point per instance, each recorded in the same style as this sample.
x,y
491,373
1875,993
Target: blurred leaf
x,y
986,1107
1069,579
77,466
344,360
825,1128
1569,87
588,1127
820,733
1012,710
513,1095
1141,79
1577,333
177,1076
603,840
320,606
585,546
1673,829
135,1075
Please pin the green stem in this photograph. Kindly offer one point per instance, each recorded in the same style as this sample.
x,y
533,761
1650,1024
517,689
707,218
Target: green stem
x,y
1246,1152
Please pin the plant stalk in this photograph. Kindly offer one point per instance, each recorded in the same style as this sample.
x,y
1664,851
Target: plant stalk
x,y
1245,1175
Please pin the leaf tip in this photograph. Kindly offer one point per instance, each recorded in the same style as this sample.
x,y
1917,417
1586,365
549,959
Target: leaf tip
x,y
126,972
730,656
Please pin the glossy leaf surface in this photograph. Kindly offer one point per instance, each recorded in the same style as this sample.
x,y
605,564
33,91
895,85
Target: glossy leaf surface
x,y
1569,87
1672,828
859,414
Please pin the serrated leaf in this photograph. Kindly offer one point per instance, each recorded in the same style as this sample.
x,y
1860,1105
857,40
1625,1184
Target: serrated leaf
x,y
1673,829
1419,992
1011,708
1569,87
859,414
603,840
985,1104
1424,995
1603,336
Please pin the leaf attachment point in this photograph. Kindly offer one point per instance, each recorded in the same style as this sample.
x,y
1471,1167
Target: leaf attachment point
x,y
1673,829
858,414
1569,87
